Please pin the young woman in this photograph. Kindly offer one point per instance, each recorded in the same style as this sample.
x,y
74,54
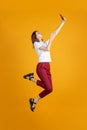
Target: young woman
x,y
43,66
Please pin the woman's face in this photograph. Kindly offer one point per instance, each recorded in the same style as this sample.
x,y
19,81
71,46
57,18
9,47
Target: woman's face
x,y
39,36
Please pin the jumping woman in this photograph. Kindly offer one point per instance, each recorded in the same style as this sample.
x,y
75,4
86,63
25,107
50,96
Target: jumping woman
x,y
43,67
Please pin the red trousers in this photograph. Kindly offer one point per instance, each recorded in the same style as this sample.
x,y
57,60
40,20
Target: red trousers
x,y
43,71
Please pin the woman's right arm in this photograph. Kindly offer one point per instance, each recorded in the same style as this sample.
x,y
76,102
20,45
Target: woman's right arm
x,y
53,35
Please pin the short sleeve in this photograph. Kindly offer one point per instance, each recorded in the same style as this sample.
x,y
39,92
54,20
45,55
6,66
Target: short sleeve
x,y
37,45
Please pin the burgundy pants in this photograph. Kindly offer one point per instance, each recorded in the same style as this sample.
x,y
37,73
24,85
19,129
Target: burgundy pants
x,y
43,71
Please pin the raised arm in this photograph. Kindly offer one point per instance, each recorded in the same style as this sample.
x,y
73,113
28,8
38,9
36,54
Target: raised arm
x,y
54,34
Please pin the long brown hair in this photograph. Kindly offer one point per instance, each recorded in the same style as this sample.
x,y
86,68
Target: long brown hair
x,y
34,38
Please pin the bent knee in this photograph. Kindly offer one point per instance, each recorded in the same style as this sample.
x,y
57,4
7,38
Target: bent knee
x,y
50,90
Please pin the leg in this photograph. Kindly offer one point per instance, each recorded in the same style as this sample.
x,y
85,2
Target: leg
x,y
38,82
44,74
43,71
30,77
48,84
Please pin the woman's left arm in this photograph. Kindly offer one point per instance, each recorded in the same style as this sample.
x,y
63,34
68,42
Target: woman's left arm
x,y
54,34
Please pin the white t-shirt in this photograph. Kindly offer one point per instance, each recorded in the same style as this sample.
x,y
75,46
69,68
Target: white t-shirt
x,y
43,56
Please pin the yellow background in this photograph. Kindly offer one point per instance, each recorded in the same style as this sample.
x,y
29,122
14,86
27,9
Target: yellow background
x,y
66,107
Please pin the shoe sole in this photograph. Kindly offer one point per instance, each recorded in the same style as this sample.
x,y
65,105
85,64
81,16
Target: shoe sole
x,y
28,75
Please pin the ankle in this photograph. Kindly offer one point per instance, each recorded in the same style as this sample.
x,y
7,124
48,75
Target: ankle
x,y
33,80
37,99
